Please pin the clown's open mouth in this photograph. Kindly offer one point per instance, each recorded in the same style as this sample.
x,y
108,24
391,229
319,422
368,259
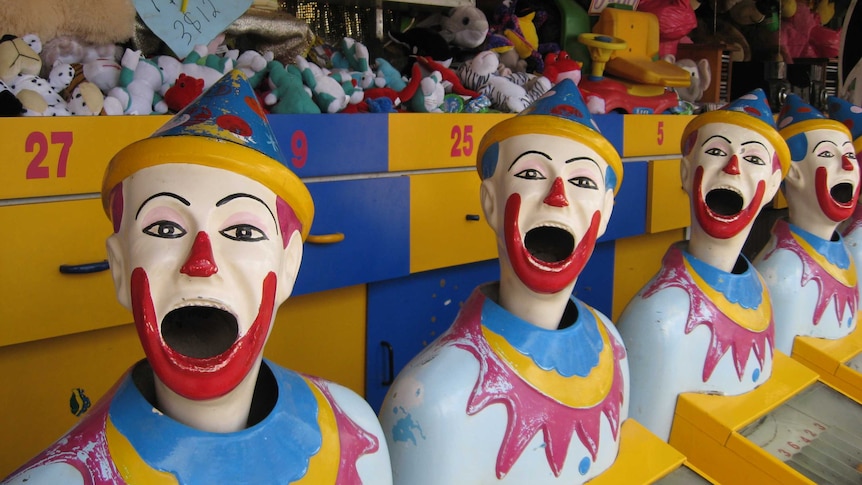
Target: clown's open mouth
x,y
549,244
199,331
842,192
724,202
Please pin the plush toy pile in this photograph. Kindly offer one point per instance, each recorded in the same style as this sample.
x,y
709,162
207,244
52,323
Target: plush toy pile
x,y
54,68
458,60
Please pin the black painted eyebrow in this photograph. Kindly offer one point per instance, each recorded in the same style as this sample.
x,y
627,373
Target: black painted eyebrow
x,y
598,167
248,196
822,142
528,152
716,136
162,194
755,141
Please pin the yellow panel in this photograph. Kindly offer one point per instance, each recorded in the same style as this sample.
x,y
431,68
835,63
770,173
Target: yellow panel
x,y
444,229
323,334
43,237
720,463
643,457
645,135
668,205
636,260
828,354
429,140
718,416
848,381
64,155
39,379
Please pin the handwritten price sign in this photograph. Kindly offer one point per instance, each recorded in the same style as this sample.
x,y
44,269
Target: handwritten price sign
x,y
183,24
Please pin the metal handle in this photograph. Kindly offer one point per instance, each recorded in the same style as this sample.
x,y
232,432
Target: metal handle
x,y
390,354
333,238
472,217
85,268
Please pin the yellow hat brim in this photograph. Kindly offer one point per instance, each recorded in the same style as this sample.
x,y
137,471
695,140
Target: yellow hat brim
x,y
814,124
215,153
555,126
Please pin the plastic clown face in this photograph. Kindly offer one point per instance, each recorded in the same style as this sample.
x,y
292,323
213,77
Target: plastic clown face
x,y
826,179
730,173
203,258
547,202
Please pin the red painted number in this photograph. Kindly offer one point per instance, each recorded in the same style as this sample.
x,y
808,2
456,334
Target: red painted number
x,y
784,452
793,445
462,141
660,137
37,144
299,148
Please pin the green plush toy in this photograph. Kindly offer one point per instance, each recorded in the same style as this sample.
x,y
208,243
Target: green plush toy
x,y
288,94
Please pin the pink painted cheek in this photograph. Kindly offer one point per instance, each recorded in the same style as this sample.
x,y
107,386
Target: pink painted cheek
x,y
287,220
776,163
116,199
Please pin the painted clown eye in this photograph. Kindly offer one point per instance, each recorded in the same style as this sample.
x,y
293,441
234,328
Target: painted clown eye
x,y
584,183
530,174
826,154
243,233
165,229
754,159
716,152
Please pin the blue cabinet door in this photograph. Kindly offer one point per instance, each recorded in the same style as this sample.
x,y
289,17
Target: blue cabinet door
x,y
407,314
374,217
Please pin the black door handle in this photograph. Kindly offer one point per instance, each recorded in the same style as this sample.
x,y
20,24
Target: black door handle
x,y
390,359
85,268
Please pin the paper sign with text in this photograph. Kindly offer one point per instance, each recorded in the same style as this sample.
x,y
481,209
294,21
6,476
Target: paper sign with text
x,y
183,24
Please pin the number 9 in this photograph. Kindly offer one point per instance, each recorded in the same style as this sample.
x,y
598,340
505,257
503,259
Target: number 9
x,y
299,148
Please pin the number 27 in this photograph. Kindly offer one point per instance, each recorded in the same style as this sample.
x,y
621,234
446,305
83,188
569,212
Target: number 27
x,y
37,143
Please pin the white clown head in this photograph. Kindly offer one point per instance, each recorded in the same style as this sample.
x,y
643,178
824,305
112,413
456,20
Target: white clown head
x,y
548,184
822,186
733,163
208,230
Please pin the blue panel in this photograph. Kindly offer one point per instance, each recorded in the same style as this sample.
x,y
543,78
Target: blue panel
x,y
333,144
629,216
374,216
611,126
409,313
595,285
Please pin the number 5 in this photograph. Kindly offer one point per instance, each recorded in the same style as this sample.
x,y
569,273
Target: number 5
x,y
660,137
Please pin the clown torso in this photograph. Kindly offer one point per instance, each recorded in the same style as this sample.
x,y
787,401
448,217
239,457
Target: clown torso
x,y
812,282
695,328
853,240
496,399
316,432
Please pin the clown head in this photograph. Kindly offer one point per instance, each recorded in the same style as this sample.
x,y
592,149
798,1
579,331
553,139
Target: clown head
x,y
207,243
549,179
733,162
822,185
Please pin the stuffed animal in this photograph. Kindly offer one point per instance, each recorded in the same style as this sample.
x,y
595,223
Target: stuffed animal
x,y
99,22
465,27
327,92
387,76
17,58
10,105
252,63
701,76
559,66
424,94
138,90
511,93
353,58
287,92
184,90
81,96
451,82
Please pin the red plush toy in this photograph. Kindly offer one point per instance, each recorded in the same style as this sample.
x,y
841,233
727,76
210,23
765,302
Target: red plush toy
x,y
183,92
